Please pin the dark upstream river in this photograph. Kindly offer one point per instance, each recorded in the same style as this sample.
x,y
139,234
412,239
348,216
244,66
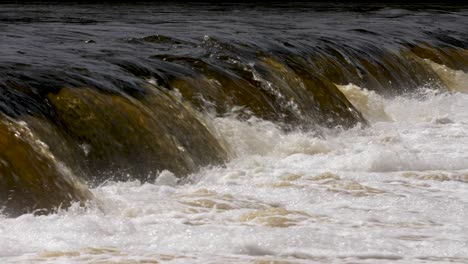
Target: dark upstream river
x,y
233,133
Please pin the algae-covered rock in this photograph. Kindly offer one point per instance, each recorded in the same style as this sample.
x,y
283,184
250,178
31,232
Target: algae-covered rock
x,y
226,92
330,107
189,127
385,71
58,143
30,176
454,58
294,94
203,93
388,71
123,138
224,88
335,65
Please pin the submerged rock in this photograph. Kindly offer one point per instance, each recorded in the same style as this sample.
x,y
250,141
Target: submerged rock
x,y
191,130
31,179
269,89
123,138
293,93
223,88
452,57
59,144
331,107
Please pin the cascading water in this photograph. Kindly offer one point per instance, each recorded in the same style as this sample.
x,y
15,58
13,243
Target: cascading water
x,y
210,133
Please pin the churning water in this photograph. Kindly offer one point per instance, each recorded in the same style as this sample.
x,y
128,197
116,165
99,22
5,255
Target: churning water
x,y
223,134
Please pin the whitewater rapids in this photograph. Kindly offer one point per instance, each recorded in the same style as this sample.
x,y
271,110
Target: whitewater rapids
x,y
392,192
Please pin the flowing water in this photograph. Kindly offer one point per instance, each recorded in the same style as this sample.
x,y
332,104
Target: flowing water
x,y
209,133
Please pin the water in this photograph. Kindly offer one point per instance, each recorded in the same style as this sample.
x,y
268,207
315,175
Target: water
x,y
379,175
394,192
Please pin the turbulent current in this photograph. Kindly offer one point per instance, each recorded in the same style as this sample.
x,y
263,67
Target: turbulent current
x,y
222,133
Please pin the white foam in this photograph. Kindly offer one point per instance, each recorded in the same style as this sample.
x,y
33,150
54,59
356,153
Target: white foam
x,y
454,80
395,191
370,104
166,178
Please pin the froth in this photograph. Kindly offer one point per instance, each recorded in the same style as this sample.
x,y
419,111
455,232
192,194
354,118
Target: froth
x,y
399,136
260,137
454,80
370,104
286,196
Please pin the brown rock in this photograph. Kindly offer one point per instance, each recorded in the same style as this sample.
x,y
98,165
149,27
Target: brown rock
x,y
31,178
